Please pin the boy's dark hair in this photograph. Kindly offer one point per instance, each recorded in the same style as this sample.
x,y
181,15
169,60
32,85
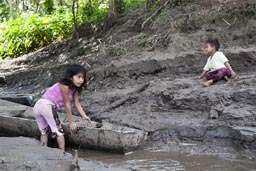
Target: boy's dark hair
x,y
70,72
215,43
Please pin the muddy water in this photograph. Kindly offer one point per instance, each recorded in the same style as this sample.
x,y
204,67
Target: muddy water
x,y
168,161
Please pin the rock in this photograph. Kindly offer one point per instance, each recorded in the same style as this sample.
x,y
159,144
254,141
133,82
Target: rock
x,y
235,112
213,114
247,134
22,154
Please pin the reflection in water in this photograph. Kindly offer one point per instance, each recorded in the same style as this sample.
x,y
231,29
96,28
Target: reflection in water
x,y
167,161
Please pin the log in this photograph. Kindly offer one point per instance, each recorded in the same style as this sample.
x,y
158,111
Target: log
x,y
12,109
127,97
9,108
109,137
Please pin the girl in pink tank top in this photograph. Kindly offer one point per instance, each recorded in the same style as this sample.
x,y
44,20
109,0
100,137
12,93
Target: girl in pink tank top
x,y
57,97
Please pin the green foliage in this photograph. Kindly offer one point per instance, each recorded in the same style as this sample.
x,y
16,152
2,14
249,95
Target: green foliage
x,y
165,14
48,6
133,5
93,10
26,25
30,32
4,11
120,6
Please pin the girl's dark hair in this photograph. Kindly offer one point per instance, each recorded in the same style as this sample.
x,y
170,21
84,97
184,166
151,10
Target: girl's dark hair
x,y
215,43
70,72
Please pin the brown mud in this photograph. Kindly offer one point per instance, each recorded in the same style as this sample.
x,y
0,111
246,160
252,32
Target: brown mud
x,y
167,53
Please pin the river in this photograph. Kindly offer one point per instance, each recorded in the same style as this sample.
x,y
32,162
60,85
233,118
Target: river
x,y
168,161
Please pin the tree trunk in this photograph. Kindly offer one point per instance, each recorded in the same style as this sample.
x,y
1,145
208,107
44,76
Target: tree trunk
x,y
75,35
111,9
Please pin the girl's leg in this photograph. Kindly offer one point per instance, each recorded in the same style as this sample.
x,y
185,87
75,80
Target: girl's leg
x,y
44,137
42,124
61,142
48,115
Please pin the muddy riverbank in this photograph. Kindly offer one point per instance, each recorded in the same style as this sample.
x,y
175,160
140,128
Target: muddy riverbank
x,y
178,114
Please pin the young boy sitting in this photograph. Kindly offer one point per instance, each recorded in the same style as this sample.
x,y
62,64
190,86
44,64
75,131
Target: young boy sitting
x,y
217,66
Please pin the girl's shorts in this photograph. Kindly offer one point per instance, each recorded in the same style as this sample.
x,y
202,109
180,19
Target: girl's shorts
x,y
47,118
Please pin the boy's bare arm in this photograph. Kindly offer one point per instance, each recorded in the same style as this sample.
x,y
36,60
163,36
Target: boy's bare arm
x,y
233,74
202,74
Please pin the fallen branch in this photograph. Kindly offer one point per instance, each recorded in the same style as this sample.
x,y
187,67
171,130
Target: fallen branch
x,y
226,22
125,98
88,82
230,25
121,101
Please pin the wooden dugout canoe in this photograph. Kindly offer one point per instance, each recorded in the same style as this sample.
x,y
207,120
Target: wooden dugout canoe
x,y
107,136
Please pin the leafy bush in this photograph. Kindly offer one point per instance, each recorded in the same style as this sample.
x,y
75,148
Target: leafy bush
x,y
30,32
96,11
39,24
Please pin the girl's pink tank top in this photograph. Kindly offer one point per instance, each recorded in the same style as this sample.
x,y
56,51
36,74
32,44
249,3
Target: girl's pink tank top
x,y
54,95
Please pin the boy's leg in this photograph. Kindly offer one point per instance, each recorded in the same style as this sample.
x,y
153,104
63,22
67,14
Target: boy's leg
x,y
208,83
209,76
216,76
222,73
226,78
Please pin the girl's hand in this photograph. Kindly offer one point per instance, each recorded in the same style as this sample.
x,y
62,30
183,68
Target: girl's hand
x,y
88,121
73,127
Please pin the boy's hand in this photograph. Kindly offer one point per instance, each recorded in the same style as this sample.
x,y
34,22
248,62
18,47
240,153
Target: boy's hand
x,y
88,121
73,127
233,74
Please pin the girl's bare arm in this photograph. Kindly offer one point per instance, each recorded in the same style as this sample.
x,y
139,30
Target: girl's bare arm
x,y
65,94
79,107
